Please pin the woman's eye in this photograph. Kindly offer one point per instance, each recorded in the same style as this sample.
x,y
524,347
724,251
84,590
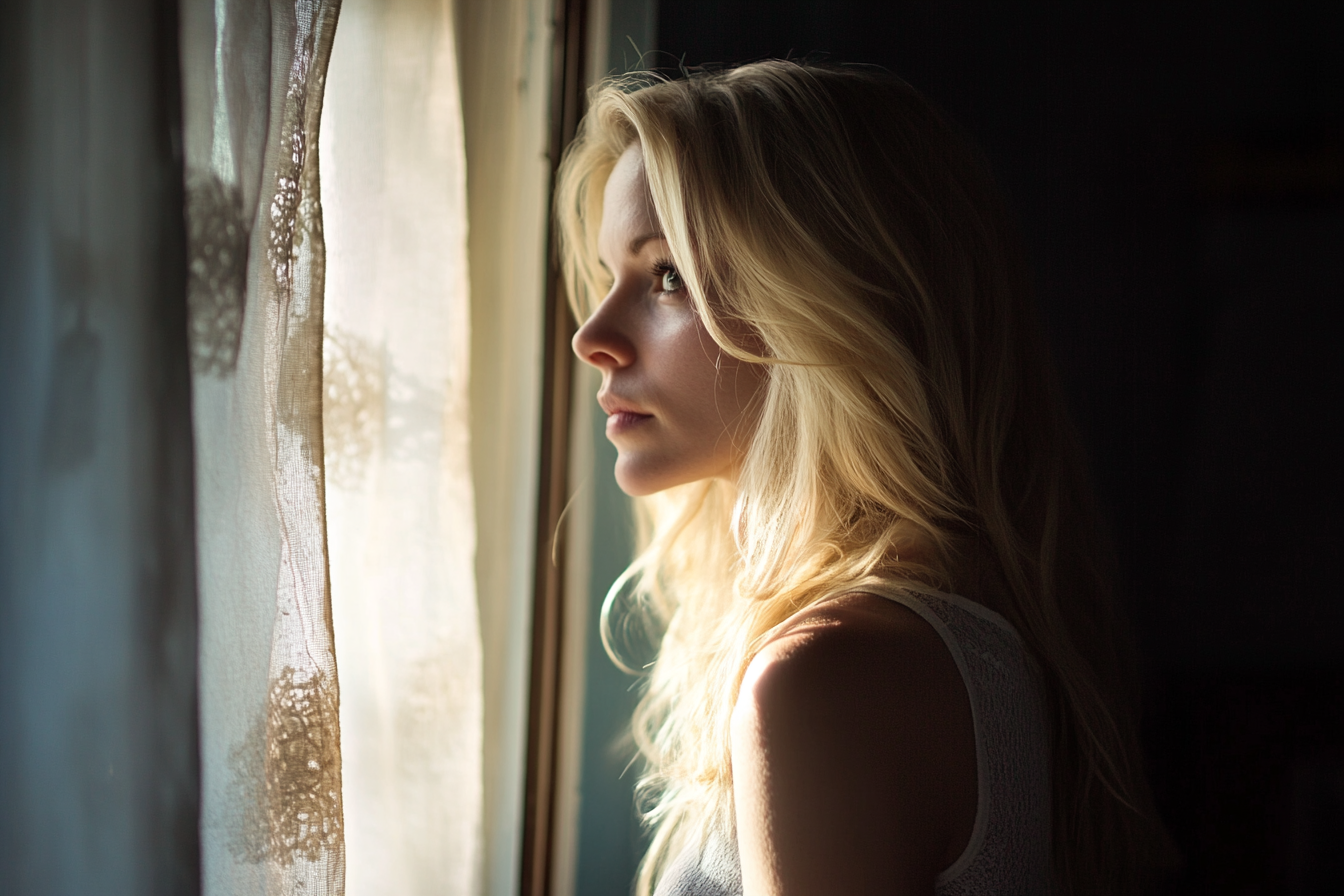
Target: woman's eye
x,y
671,280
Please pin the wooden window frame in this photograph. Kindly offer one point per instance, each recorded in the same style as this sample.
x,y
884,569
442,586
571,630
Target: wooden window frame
x,y
568,83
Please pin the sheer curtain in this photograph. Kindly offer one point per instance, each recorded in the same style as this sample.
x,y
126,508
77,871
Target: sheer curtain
x,y
333,324
272,815
399,489
248,446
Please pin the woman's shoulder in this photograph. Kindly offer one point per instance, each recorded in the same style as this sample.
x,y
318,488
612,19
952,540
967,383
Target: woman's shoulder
x,y
870,649
856,714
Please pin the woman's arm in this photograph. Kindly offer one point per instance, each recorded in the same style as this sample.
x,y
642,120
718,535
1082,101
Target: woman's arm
x,y
854,762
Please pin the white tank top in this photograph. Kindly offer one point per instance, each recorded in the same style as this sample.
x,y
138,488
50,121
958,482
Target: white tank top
x,y
1008,853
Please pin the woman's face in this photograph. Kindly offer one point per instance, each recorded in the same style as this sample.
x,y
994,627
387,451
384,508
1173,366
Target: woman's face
x,y
678,409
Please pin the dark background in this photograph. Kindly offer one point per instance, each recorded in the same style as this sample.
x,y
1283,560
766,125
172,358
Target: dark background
x,y
1178,173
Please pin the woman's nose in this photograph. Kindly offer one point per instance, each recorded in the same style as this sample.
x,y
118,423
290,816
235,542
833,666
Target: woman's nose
x,y
602,341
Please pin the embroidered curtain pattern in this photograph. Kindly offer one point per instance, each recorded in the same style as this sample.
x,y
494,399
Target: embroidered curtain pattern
x,y
339,509
253,79
330,351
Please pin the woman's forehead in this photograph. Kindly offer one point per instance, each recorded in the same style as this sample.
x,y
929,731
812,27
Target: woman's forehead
x,y
629,219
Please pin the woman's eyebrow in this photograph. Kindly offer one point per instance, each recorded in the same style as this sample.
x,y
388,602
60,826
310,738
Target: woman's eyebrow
x,y
634,246
638,242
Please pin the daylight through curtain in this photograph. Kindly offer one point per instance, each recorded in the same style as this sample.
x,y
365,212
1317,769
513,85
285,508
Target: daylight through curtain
x,y
195,304
253,75
400,493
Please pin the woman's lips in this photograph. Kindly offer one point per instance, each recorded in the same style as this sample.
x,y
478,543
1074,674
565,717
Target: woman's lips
x,y
624,421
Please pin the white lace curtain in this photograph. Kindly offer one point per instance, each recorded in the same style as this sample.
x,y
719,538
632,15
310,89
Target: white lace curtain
x,y
357,533
272,815
337,525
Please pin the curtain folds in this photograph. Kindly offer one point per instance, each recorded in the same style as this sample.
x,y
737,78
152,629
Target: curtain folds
x,y
336,515
318,387
399,485
253,79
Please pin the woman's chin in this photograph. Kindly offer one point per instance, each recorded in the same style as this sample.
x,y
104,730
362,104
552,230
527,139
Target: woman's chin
x,y
636,482
638,477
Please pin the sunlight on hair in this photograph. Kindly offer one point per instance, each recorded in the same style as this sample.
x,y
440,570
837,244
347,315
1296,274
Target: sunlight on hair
x,y
910,426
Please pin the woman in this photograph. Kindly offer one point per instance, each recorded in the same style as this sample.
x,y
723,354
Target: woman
x,y
888,658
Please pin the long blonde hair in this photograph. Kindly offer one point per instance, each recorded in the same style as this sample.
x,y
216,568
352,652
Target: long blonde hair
x,y
909,408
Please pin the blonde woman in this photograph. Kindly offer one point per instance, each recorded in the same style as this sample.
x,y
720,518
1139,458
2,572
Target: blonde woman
x,y
887,661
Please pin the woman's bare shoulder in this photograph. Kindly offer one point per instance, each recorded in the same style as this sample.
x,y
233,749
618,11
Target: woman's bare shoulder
x,y
855,633
853,743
